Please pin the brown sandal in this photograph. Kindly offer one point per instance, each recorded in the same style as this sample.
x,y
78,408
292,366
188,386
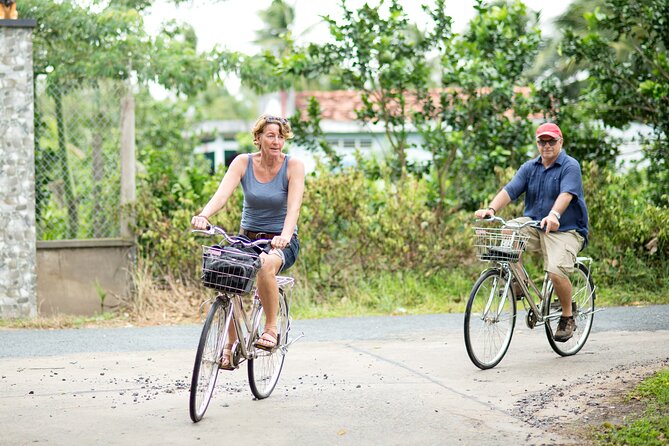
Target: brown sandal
x,y
267,341
226,363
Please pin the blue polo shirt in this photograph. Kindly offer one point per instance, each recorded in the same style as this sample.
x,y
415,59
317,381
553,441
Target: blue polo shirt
x,y
542,187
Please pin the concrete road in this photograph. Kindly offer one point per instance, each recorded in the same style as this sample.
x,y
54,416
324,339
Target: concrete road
x,y
359,381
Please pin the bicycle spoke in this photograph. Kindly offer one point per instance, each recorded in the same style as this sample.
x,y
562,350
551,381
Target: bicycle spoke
x,y
489,320
583,297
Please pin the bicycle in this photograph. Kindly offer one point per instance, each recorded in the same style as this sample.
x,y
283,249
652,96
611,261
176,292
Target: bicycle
x,y
234,280
490,315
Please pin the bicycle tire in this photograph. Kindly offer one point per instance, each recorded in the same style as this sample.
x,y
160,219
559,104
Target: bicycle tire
x,y
583,296
265,367
207,359
488,333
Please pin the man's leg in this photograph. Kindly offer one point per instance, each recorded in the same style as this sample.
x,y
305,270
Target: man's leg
x,y
560,250
562,287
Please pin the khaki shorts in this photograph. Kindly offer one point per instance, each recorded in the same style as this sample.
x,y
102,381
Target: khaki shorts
x,y
559,249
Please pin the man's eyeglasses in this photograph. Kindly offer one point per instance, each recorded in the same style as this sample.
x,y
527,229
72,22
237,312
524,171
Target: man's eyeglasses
x,y
551,142
281,121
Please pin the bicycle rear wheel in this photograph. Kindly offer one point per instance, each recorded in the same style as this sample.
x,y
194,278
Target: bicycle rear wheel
x,y
489,319
207,359
583,308
265,368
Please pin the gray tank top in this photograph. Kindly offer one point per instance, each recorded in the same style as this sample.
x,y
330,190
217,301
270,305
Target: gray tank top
x,y
265,204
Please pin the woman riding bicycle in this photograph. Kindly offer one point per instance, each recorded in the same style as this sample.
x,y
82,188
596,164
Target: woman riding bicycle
x,y
273,186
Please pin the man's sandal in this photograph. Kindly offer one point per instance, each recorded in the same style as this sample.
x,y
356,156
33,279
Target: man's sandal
x,y
267,341
226,363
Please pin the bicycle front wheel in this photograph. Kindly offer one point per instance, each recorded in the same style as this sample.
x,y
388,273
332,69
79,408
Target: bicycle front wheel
x,y
583,308
207,359
489,319
265,367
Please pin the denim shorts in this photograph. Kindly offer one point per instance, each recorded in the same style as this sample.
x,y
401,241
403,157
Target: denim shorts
x,y
290,253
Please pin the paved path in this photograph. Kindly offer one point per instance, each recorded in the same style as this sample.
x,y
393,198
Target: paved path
x,y
356,381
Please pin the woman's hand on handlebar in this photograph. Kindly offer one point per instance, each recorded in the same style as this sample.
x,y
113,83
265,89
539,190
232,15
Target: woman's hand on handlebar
x,y
199,222
280,242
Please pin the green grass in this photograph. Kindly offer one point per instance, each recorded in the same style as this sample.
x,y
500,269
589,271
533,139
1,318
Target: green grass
x,y
652,426
443,292
387,294
66,321
407,292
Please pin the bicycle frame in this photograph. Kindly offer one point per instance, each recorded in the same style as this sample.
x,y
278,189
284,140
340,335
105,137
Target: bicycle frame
x,y
518,271
523,279
246,323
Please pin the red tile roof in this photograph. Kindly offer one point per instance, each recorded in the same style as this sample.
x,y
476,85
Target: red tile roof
x,y
340,105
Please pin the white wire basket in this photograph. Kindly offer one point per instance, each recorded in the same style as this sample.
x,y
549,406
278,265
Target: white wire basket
x,y
499,244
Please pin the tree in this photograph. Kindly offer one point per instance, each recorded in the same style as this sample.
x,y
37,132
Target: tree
x,y
276,35
76,48
550,62
380,54
626,52
481,118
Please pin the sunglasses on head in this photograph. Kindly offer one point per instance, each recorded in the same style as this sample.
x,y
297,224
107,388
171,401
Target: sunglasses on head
x,y
281,121
551,142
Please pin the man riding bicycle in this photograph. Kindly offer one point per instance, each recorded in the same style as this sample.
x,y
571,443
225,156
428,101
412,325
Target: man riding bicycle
x,y
553,190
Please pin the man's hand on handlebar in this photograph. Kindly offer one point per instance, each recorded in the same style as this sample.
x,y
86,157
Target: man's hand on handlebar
x,y
550,223
484,213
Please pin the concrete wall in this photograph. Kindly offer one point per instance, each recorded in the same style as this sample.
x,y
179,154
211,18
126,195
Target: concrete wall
x,y
17,171
74,273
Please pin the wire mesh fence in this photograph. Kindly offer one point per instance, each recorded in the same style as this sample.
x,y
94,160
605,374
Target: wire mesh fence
x,y
77,159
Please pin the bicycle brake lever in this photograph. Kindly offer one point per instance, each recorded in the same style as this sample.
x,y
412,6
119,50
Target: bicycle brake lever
x,y
208,231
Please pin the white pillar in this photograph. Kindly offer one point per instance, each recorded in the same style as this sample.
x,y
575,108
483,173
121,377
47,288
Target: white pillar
x,y
18,272
128,193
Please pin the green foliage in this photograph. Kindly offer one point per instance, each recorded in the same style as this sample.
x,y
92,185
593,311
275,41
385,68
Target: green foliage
x,y
278,20
652,427
308,133
369,241
84,54
216,103
629,236
626,50
379,53
260,73
354,227
169,189
482,117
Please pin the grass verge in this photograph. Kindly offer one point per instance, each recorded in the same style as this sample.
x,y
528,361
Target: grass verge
x,y
649,428
167,300
106,319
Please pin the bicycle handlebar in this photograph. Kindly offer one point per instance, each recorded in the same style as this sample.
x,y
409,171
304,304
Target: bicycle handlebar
x,y
532,223
214,230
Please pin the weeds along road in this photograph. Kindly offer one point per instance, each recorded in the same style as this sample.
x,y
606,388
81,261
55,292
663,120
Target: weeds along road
x,y
383,380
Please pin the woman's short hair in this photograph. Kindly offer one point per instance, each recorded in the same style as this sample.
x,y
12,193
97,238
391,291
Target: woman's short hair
x,y
263,120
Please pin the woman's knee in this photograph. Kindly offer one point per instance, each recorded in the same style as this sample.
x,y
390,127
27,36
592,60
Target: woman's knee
x,y
270,266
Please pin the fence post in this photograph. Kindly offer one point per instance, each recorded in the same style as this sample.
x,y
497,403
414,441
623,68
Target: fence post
x,y
18,270
127,160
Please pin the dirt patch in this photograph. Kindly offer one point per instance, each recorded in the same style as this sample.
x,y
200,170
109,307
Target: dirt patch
x,y
574,410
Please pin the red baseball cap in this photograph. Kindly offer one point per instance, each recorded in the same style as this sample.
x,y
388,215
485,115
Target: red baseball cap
x,y
549,129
